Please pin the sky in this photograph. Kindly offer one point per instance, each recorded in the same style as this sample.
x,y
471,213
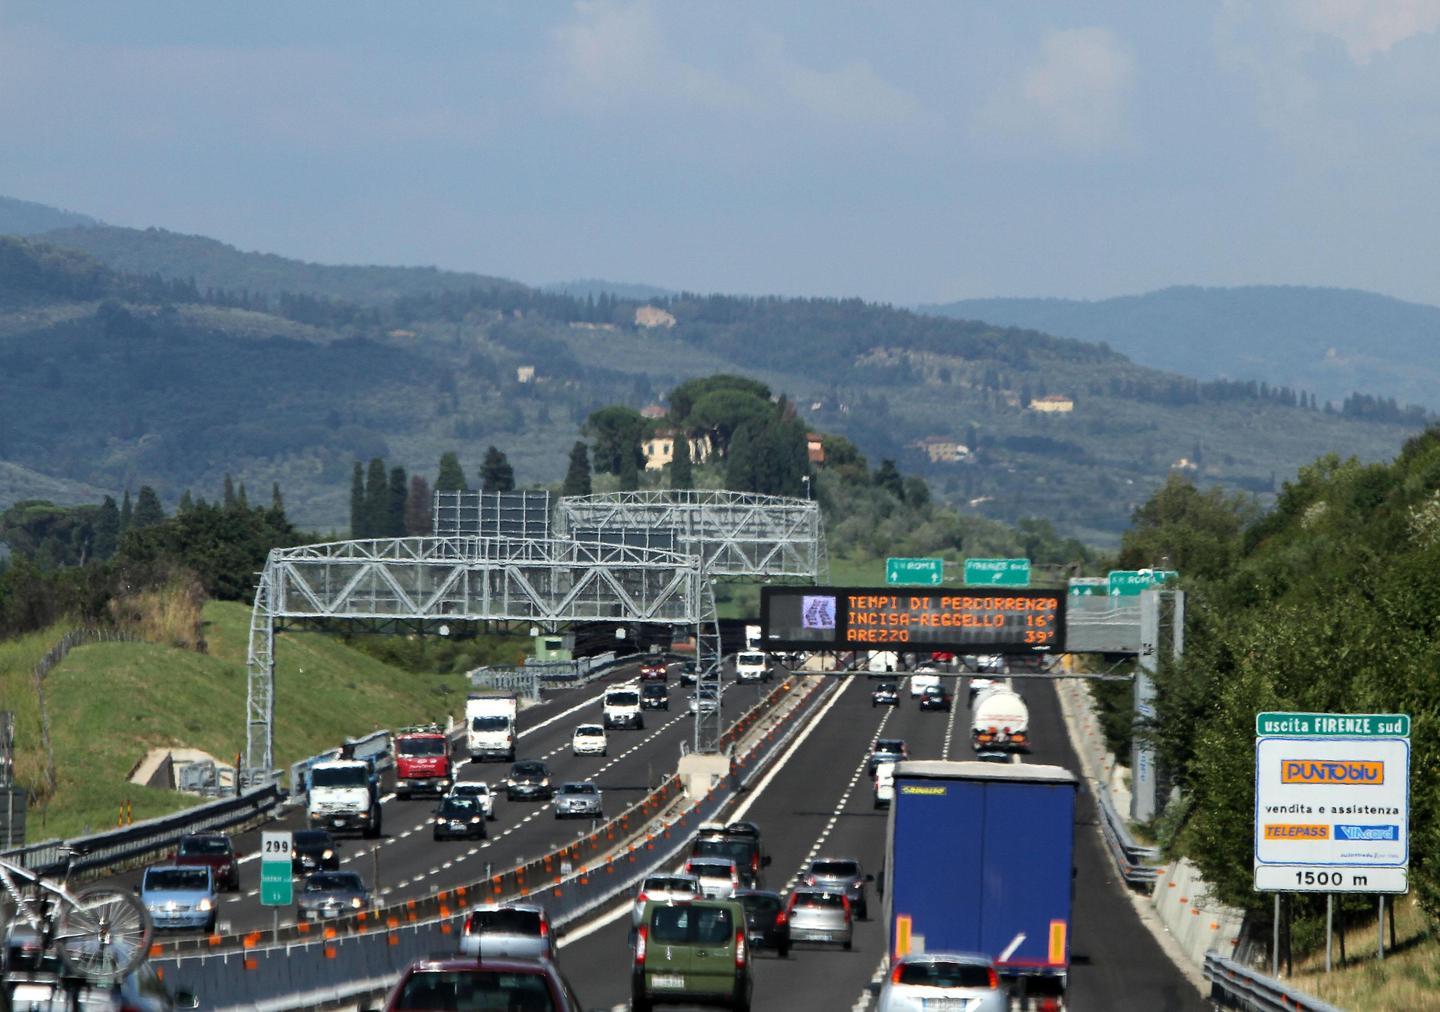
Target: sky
x,y
911,152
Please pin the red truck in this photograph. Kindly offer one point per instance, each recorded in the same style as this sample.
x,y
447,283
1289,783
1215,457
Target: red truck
x,y
422,761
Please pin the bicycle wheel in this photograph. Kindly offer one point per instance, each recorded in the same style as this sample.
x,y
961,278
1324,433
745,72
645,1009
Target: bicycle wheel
x,y
103,933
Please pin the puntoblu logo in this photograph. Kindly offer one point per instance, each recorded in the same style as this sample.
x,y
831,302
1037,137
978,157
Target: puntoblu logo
x,y
1359,772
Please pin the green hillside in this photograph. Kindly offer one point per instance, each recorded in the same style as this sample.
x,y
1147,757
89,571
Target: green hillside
x,y
112,702
24,217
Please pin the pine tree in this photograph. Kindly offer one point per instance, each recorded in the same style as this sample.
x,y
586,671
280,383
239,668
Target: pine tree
x,y
148,511
377,499
496,474
229,494
277,501
107,529
127,512
242,501
399,489
187,503
681,474
451,477
577,475
357,501
417,507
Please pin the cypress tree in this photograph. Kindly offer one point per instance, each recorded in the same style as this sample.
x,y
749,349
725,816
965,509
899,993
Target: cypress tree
x,y
242,501
127,512
399,490
357,501
577,475
417,507
277,501
452,476
681,474
377,499
186,503
148,511
629,472
229,494
496,474
107,528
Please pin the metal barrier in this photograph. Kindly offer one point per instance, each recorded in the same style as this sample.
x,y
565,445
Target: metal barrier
x,y
1233,985
143,839
1131,859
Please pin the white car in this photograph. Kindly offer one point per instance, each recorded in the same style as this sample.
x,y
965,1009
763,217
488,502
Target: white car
x,y
589,739
671,888
884,785
480,791
943,980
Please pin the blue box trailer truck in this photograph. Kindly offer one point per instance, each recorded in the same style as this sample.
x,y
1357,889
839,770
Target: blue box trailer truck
x,y
980,858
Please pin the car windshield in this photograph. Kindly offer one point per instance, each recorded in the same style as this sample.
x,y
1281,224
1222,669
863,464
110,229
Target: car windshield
x,y
334,881
578,789
459,806
819,900
590,731
710,869
678,925
339,776
476,990
751,660
889,745
622,699
944,973
835,869
489,723
654,690
205,845
312,838
177,879
466,790
507,921
422,746
737,850
528,770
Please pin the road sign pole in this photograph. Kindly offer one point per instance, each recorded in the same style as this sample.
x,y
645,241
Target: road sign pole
x,y
1379,928
1329,927
1275,941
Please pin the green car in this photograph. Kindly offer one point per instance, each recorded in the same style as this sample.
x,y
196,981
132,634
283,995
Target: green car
x,y
691,952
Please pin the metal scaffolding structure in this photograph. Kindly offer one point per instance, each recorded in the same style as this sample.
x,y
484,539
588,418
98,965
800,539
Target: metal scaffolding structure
x,y
544,581
735,535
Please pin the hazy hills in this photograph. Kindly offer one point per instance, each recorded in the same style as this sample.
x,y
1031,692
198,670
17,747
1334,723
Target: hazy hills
x,y
22,217
595,287
1331,341
110,379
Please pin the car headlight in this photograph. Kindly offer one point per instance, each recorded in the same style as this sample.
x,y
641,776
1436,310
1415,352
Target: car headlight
x,y
545,782
357,903
204,904
328,855
439,820
474,818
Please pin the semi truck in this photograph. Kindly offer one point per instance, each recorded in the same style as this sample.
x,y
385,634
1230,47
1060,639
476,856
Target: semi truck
x,y
1000,721
980,858
422,761
490,726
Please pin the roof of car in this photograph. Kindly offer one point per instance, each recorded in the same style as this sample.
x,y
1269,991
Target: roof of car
x,y
590,727
978,958
505,964
527,907
710,859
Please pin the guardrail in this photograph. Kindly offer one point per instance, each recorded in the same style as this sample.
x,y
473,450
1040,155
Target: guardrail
x,y
1131,859
1234,985
368,952
104,850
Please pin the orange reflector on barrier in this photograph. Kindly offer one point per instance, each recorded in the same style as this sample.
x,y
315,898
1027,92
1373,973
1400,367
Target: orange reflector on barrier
x,y
251,964
1057,943
903,924
156,951
330,952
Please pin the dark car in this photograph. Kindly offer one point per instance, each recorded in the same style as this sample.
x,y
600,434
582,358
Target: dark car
x,y
688,673
459,818
741,848
460,984
885,694
314,850
214,851
332,894
654,696
766,922
888,750
935,698
654,670
529,779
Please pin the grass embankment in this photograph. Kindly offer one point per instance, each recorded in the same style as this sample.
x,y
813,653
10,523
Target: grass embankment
x,y
111,703
18,658
1407,979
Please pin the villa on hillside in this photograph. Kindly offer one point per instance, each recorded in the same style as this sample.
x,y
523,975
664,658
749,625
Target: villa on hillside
x,y
1053,404
660,449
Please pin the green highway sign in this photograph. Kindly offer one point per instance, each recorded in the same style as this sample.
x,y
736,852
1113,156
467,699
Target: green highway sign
x,y
1129,582
997,572
929,572
1333,725
1089,586
276,883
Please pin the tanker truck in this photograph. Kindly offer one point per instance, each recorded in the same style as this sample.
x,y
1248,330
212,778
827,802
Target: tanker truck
x,y
1000,721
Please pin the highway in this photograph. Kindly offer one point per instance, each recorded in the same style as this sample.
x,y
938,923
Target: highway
x,y
820,804
406,862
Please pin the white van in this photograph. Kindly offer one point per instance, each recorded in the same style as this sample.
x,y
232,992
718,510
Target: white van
x,y
884,785
752,666
921,680
621,708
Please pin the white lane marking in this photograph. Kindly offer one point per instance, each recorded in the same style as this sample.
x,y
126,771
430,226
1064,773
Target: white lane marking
x,y
950,730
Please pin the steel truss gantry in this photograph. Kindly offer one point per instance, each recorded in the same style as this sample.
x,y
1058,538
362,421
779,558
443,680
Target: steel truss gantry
x,y
735,535
543,581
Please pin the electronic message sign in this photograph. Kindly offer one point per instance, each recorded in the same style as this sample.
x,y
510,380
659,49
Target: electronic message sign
x,y
888,618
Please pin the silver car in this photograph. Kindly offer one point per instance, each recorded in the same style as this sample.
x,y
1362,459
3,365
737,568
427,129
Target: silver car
x,y
664,889
578,801
718,876
332,894
509,931
820,915
477,789
842,874
943,980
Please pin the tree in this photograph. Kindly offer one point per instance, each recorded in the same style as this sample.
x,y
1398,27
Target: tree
x,y
1199,533
721,413
148,511
395,515
577,475
887,476
629,473
496,474
127,513
617,432
684,397
377,499
228,496
452,476
357,501
277,501
417,507
187,502
107,528
917,493
682,476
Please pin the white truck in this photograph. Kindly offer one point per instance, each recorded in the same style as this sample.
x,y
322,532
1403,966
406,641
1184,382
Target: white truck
x,y
490,726
621,708
1000,721
882,662
752,637
344,795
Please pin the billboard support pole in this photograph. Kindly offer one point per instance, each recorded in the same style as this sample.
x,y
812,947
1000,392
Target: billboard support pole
x,y
1275,941
1329,927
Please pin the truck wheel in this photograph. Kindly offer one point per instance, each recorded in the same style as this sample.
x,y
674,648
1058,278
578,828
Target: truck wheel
x,y
640,1003
784,951
846,945
864,913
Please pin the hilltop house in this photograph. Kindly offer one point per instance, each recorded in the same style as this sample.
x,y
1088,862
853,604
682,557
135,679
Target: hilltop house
x,y
660,449
1053,404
